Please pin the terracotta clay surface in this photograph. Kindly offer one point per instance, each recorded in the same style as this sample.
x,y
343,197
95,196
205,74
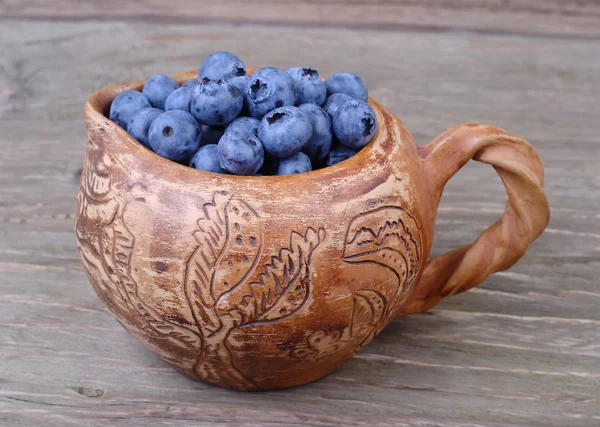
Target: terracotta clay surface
x,y
270,282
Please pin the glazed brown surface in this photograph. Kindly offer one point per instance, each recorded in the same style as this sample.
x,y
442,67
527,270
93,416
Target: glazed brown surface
x,y
270,282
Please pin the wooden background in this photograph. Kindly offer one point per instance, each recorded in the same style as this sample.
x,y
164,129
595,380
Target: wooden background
x,y
522,349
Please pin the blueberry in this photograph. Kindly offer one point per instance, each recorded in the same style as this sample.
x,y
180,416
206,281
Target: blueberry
x,y
210,134
269,88
320,143
207,159
347,83
240,82
334,101
338,154
157,88
297,163
179,99
241,153
125,105
285,131
309,86
175,135
244,124
354,124
140,123
269,166
221,66
191,83
216,102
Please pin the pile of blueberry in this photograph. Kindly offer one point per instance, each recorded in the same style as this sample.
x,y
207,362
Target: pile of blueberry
x,y
274,122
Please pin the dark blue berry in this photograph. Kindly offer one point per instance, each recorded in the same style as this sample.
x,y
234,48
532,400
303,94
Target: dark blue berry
x,y
157,88
179,99
244,124
216,102
241,153
320,143
297,163
354,124
338,154
191,83
140,123
347,83
207,159
210,134
175,135
221,66
269,166
309,86
241,82
334,101
285,131
125,105
269,88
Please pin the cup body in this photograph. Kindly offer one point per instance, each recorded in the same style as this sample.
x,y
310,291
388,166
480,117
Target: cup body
x,y
252,282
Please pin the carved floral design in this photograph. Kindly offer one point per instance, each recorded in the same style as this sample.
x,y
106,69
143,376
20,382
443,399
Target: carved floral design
x,y
218,288
368,308
387,237
222,286
106,245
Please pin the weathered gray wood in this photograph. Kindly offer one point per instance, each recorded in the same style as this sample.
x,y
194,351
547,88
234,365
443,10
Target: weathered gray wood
x,y
522,349
489,16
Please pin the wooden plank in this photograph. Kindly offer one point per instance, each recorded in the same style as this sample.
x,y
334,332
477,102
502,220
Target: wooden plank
x,y
462,361
539,17
522,349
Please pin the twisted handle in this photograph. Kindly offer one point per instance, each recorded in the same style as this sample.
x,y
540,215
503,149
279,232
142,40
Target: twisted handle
x,y
504,242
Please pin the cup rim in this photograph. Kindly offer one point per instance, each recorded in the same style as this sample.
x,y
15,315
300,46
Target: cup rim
x,y
99,102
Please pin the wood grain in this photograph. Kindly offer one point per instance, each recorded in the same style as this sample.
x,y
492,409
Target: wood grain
x,y
522,349
531,17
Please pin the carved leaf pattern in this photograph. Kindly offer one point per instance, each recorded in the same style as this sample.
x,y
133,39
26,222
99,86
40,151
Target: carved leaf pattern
x,y
243,248
413,253
117,247
106,248
283,285
320,344
367,311
183,337
387,236
95,184
94,207
116,243
211,235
